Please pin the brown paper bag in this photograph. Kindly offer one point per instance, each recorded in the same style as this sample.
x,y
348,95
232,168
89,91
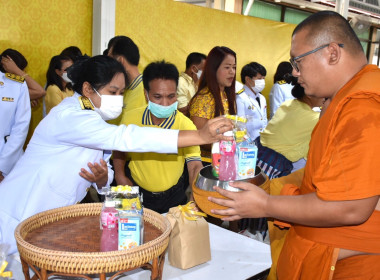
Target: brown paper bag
x,y
189,243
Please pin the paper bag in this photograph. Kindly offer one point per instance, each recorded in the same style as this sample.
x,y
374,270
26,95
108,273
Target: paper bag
x,y
189,243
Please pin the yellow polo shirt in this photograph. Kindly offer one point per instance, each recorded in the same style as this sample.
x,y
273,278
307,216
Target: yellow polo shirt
x,y
186,90
159,172
133,98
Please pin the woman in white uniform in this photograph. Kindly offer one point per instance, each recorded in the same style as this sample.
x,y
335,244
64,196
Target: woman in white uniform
x,y
282,87
250,102
75,135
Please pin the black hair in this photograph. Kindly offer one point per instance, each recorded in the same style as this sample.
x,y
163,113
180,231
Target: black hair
x,y
160,70
298,92
209,80
112,41
52,78
284,69
194,58
251,70
17,57
98,71
124,46
73,52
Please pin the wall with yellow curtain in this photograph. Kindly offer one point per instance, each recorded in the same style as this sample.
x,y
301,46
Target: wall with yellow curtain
x,y
170,30
40,29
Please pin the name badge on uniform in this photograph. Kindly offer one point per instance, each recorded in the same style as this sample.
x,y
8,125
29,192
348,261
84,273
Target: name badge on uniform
x,y
8,99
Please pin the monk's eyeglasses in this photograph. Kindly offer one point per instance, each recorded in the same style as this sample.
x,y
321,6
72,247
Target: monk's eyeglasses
x,y
293,61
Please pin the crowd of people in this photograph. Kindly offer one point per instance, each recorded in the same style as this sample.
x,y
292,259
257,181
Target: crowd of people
x,y
159,125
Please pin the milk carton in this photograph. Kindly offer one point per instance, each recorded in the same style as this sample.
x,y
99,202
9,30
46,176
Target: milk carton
x,y
130,232
247,157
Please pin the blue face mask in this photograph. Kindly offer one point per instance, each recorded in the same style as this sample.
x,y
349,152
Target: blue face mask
x,y
162,112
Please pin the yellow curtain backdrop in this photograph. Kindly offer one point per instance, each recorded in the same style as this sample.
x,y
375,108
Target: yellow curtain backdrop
x,y
40,29
171,30
162,29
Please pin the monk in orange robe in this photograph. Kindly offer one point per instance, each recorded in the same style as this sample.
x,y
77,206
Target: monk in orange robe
x,y
335,215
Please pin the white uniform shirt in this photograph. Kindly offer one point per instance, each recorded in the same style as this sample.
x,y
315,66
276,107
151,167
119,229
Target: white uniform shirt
x,y
15,116
47,175
256,114
280,92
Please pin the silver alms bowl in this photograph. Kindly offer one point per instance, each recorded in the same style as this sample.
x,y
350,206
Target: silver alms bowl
x,y
206,180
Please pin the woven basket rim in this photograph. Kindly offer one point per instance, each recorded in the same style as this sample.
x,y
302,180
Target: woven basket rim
x,y
36,254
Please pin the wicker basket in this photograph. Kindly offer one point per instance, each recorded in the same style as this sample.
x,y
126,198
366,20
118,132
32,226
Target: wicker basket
x,y
88,262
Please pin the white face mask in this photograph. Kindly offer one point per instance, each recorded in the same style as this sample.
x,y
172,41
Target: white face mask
x,y
199,73
65,78
110,106
259,86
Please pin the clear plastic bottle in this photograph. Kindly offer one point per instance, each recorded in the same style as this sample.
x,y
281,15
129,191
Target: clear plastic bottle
x,y
227,167
215,155
109,218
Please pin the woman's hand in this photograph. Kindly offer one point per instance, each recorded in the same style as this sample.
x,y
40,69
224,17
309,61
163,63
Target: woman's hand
x,y
10,66
213,130
99,173
34,103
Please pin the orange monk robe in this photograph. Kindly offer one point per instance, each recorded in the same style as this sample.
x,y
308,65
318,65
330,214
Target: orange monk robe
x,y
343,163
277,234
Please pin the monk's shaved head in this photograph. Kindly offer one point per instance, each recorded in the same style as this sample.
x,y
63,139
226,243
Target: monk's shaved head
x,y
325,27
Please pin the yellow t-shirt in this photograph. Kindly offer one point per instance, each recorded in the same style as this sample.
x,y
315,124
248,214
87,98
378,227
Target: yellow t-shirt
x,y
158,172
133,98
203,105
54,96
289,131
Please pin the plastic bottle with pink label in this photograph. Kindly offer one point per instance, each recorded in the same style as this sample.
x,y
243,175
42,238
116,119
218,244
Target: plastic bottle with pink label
x,y
109,218
227,167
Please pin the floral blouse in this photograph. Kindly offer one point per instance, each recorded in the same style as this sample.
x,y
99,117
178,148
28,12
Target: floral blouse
x,y
203,105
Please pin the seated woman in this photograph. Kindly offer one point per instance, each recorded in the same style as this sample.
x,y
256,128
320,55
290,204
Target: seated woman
x,y
284,144
71,146
58,85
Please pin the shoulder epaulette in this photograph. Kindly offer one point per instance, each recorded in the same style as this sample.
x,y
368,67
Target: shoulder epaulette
x,y
85,104
240,91
282,82
15,77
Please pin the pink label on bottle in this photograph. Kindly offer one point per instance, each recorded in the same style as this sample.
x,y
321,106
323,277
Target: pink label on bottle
x,y
227,147
109,219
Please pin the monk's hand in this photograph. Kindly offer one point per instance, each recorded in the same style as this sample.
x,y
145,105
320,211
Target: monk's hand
x,y
248,203
98,174
213,130
1,176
